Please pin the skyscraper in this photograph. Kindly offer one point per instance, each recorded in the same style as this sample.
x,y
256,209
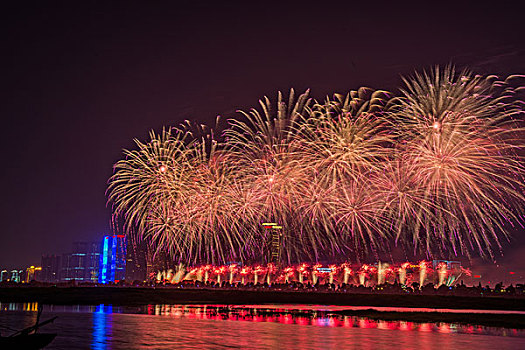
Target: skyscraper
x,y
82,263
112,267
136,266
51,267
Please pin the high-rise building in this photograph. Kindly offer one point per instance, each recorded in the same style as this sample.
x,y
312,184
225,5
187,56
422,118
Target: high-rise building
x,y
82,263
112,267
92,261
136,266
274,231
51,268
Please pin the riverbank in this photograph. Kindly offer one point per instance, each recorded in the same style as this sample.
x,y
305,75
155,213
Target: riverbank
x,y
130,296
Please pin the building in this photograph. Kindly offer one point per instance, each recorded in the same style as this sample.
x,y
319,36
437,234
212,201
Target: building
x,y
274,231
112,267
82,264
15,276
12,276
33,274
136,262
51,268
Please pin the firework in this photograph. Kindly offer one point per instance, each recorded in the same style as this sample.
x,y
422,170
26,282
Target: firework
x,y
435,169
145,178
458,138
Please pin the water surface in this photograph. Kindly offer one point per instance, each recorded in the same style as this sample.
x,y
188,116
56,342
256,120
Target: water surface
x,y
247,327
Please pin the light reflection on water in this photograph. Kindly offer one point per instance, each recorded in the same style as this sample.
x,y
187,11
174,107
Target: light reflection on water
x,y
258,327
323,318
102,326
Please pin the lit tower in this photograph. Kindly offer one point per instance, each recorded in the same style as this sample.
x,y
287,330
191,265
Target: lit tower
x,y
275,233
112,259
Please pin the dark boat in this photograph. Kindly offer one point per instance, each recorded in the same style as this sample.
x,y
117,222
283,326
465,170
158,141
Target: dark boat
x,y
27,341
28,338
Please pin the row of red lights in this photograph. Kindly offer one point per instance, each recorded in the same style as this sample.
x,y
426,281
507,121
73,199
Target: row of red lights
x,y
317,268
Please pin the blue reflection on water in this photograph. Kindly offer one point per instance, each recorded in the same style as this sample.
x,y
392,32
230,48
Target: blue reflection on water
x,y
102,326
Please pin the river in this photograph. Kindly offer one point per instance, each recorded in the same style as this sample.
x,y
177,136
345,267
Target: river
x,y
246,327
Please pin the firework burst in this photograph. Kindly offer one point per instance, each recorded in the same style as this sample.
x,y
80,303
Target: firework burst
x,y
458,138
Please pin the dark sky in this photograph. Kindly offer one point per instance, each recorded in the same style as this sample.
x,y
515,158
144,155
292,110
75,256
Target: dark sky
x,y
79,82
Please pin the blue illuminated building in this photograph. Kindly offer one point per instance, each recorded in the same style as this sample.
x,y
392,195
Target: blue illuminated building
x,y
112,259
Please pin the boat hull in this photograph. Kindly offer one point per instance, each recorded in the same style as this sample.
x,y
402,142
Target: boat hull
x,y
27,342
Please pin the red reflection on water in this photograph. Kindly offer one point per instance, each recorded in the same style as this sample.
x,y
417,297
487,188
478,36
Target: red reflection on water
x,y
364,323
176,313
406,326
348,322
391,325
304,317
286,319
425,327
302,321
444,328
333,322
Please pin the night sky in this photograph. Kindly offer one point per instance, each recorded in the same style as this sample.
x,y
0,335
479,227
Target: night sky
x,y
80,83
